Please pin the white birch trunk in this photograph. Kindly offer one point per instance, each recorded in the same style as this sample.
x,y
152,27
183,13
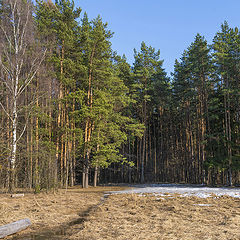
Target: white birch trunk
x,y
14,136
12,61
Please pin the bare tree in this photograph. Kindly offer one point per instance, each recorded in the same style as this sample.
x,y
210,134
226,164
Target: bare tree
x,y
19,64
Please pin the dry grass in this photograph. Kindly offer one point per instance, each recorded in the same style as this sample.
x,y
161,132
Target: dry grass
x,y
151,217
48,211
126,216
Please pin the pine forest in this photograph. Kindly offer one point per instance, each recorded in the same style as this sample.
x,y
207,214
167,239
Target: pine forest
x,y
72,111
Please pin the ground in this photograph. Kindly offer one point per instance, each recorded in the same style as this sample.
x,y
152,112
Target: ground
x,y
50,212
85,214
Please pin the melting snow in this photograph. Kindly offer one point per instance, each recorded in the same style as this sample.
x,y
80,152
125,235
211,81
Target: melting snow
x,y
183,190
202,205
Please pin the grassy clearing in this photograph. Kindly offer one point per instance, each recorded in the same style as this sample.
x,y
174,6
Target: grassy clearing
x,y
126,216
52,210
151,217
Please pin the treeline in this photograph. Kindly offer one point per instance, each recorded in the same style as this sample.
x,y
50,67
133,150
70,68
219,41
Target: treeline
x,y
74,112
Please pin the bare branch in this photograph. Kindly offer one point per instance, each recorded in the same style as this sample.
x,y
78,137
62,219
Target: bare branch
x,y
29,79
25,125
24,129
5,82
6,112
6,36
24,28
6,69
8,58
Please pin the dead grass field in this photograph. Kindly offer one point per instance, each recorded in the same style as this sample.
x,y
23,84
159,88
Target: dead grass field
x,y
137,217
125,216
50,211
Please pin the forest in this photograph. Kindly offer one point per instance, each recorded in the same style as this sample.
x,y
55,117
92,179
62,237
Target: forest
x,y
72,111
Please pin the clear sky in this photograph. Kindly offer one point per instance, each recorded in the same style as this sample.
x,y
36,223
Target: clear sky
x,y
168,25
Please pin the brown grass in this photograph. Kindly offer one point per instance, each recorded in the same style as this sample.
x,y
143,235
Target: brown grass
x,y
52,210
126,216
151,217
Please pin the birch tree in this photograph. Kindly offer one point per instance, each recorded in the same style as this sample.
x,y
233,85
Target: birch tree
x,y
19,63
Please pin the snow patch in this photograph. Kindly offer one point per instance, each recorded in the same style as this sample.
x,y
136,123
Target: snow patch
x,y
183,190
202,205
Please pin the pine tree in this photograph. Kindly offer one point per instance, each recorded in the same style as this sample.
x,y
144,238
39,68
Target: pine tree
x,y
226,46
191,89
147,69
60,30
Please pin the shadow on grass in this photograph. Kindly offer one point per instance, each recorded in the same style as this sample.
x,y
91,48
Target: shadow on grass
x,y
62,231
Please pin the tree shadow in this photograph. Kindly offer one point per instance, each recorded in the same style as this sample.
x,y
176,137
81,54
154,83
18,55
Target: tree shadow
x,y
63,231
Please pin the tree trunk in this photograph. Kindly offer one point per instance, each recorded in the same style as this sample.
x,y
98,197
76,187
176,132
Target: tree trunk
x,y
88,124
14,146
129,160
14,227
155,151
143,156
37,179
95,176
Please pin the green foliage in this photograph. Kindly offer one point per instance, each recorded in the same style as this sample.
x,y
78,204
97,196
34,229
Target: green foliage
x,y
94,109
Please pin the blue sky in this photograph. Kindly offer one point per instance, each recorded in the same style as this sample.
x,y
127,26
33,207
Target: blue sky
x,y
168,25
